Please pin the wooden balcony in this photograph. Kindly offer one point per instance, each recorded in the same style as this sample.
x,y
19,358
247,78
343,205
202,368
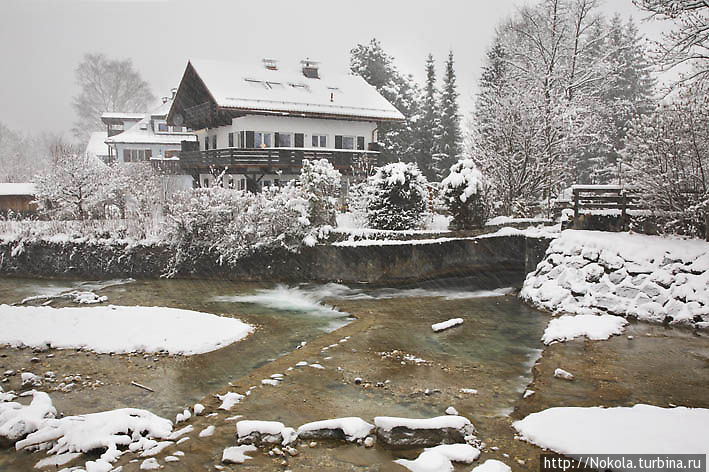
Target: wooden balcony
x,y
267,160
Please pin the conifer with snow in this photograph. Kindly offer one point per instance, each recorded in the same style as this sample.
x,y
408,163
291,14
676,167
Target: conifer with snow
x,y
396,197
428,126
450,140
464,194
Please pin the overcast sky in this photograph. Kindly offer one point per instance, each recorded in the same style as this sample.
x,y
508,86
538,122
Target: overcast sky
x,y
42,41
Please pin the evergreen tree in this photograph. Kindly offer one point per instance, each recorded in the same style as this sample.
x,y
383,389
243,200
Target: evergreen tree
x,y
374,65
449,143
429,124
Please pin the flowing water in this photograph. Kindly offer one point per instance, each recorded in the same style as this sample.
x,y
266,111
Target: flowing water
x,y
407,370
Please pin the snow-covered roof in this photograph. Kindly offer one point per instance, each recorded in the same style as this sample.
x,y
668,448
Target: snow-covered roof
x,y
238,86
25,188
97,146
119,115
143,133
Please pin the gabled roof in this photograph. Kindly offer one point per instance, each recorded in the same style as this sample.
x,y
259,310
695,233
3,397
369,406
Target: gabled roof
x,y
20,189
254,89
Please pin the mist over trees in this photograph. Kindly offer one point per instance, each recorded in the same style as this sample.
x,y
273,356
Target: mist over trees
x,y
22,156
106,85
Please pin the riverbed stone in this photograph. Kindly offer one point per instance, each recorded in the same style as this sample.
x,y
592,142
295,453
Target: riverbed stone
x,y
402,437
593,272
627,291
617,276
590,253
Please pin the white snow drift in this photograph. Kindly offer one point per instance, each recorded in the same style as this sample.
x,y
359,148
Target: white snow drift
x,y
641,429
119,329
593,327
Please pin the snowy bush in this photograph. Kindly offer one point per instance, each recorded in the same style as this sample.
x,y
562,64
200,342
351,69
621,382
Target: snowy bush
x,y
396,197
73,187
229,225
320,183
464,194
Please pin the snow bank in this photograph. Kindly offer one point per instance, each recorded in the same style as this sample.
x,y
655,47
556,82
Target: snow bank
x,y
648,277
641,429
17,420
492,465
119,329
353,428
446,324
593,327
439,458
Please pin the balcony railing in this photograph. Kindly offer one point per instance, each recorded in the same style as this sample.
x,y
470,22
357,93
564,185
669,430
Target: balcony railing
x,y
273,158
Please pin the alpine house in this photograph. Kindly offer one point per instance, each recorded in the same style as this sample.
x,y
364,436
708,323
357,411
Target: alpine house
x,y
255,125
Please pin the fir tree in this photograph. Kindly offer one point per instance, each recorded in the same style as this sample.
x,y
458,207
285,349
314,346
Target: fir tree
x,y
449,143
428,126
375,66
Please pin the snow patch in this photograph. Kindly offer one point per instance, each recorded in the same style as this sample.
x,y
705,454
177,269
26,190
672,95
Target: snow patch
x,y
593,327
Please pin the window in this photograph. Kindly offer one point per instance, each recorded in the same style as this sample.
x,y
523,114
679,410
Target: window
x,y
242,184
206,143
266,183
214,141
206,183
231,140
360,143
136,155
319,140
284,140
302,87
178,129
171,154
163,128
348,142
256,83
275,85
230,182
262,139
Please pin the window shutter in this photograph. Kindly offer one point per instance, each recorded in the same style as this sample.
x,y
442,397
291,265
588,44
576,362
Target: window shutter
x,y
214,141
126,155
360,143
148,154
299,140
275,140
206,143
231,139
338,142
249,139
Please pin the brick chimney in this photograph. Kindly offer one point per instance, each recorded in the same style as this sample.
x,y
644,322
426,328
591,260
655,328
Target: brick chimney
x,y
310,68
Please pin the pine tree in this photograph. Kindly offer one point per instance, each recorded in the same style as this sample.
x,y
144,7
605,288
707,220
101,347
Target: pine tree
x,y
377,68
449,144
428,125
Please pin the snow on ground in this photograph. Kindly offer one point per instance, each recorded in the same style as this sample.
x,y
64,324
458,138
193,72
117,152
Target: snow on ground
x,y
641,429
507,220
354,428
648,277
436,327
271,430
237,454
593,327
229,399
439,458
119,329
348,223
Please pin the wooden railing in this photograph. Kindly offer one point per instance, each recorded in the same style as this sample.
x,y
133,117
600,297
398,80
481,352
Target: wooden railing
x,y
267,158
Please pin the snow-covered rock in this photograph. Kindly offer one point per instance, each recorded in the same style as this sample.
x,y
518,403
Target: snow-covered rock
x,y
119,329
439,458
17,420
593,327
413,432
208,431
229,399
446,324
492,465
264,432
641,429
560,373
350,429
237,454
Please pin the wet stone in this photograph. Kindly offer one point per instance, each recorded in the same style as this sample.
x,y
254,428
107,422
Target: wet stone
x,y
402,437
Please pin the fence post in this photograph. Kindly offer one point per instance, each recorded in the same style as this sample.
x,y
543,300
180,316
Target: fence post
x,y
576,208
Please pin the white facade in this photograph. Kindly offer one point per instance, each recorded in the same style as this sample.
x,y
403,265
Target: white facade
x,y
290,125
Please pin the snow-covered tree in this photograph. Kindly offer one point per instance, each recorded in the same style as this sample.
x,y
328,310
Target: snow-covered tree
x,y
687,44
396,197
377,67
450,138
464,193
23,156
107,85
429,123
320,184
667,159
74,186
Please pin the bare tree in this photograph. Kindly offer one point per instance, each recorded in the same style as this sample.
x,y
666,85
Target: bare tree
x,y
107,85
688,42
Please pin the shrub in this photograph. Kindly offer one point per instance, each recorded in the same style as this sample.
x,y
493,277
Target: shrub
x,y
396,197
320,184
464,194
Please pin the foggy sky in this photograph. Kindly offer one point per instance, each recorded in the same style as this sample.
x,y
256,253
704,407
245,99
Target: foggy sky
x,y
42,41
